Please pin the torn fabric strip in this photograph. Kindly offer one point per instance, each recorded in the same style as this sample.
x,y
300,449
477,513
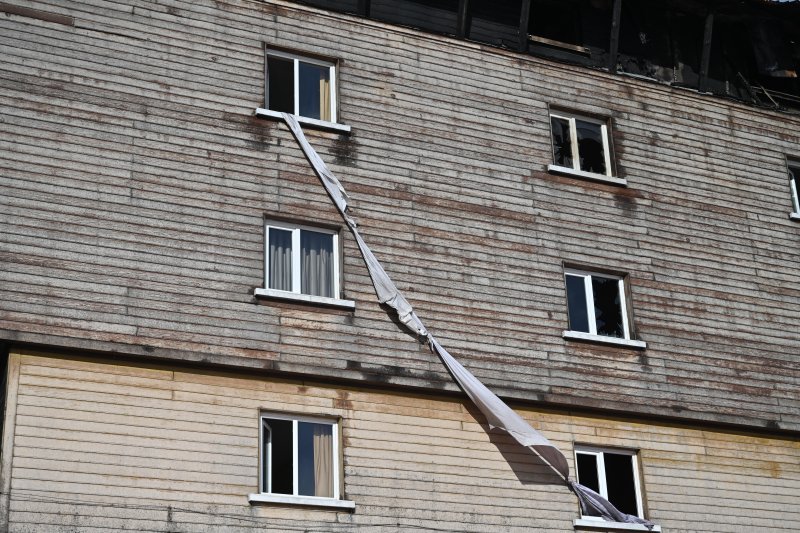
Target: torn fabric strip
x,y
497,413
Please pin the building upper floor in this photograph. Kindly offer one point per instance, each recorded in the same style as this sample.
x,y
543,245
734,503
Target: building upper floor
x,y
575,237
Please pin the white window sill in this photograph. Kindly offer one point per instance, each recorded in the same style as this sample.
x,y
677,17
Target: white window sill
x,y
602,525
794,216
566,171
305,298
310,122
307,501
602,339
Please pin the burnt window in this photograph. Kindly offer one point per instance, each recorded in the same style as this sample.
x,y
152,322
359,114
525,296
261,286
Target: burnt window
x,y
612,473
580,144
794,187
440,16
302,86
597,305
495,22
578,31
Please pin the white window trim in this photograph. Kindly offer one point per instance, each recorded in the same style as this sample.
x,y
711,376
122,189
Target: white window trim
x,y
333,124
297,499
794,215
592,334
601,477
295,294
575,170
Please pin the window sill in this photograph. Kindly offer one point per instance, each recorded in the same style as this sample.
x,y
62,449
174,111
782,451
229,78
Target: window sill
x,y
602,525
310,122
794,216
602,339
305,501
566,171
305,298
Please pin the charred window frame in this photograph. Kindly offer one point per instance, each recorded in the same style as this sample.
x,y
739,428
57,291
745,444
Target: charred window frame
x,y
301,85
582,147
614,474
598,308
793,167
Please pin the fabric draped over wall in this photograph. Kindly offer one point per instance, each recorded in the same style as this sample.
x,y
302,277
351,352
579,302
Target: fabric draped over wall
x,y
498,414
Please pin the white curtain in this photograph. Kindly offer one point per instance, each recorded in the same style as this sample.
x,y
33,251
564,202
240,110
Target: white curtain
x,y
280,259
316,263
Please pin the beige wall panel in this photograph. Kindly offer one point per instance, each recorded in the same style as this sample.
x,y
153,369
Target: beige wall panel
x,y
104,446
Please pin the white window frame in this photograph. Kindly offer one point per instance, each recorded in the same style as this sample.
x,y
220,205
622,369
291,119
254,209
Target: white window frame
x,y
266,496
794,164
592,335
598,453
296,59
575,169
295,293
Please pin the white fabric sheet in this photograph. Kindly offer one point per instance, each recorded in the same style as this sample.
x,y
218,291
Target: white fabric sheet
x,y
497,413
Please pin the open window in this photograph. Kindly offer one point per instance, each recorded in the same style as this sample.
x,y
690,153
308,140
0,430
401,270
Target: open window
x,y
581,147
299,461
300,85
612,473
794,188
302,263
597,308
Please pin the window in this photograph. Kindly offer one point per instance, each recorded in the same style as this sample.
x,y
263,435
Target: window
x,y
597,308
301,86
581,147
612,473
299,461
794,186
301,263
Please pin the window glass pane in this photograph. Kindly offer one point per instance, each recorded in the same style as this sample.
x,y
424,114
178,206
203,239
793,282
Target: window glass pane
x,y
495,21
279,469
280,260
562,144
316,263
576,304
280,75
587,471
607,309
315,459
315,92
433,15
590,146
620,482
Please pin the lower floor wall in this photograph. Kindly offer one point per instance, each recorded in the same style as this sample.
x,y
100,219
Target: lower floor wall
x,y
97,445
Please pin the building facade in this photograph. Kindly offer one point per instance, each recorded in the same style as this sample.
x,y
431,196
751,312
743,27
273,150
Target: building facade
x,y
608,239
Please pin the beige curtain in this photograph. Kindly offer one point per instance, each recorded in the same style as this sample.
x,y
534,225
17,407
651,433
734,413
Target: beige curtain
x,y
324,99
323,461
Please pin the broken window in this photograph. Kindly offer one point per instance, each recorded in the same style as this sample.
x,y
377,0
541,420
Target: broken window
x,y
440,16
301,86
580,144
495,22
614,474
343,6
299,456
571,30
794,186
302,260
661,41
596,304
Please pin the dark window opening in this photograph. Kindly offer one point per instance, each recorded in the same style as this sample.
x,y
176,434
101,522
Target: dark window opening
x,y
562,142
3,388
607,307
439,16
495,22
343,6
278,463
576,305
571,30
620,482
590,146
587,471
280,83
794,186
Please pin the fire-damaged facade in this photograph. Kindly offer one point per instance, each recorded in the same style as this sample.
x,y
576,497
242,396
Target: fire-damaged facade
x,y
369,265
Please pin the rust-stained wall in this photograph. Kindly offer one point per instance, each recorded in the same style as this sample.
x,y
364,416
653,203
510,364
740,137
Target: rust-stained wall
x,y
135,180
109,446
